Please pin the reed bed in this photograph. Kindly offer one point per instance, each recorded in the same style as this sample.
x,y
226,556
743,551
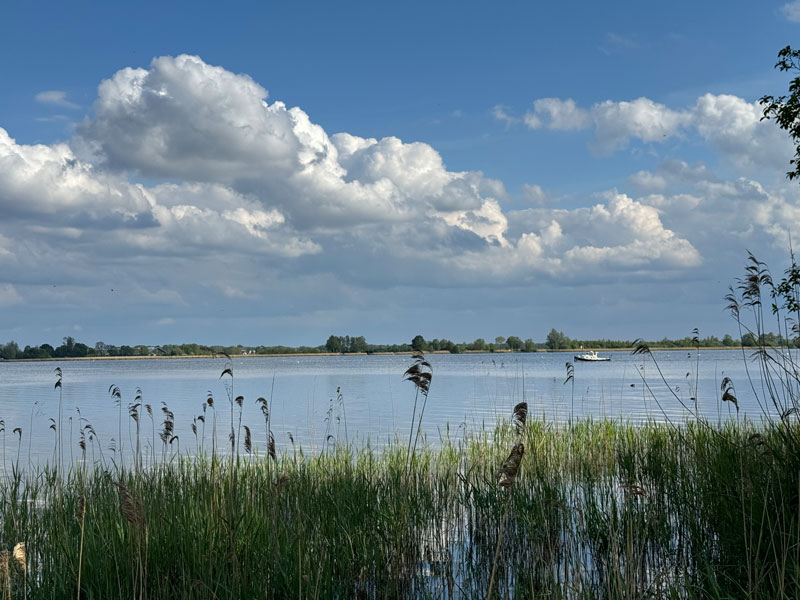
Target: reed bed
x,y
590,510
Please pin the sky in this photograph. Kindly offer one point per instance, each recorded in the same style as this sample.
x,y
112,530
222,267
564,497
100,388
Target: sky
x,y
274,173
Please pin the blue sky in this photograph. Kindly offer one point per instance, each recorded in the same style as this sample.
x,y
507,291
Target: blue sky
x,y
274,173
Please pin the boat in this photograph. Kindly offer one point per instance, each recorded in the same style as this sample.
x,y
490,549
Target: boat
x,y
591,356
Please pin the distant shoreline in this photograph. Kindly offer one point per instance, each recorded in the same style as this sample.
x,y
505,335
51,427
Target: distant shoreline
x,y
313,354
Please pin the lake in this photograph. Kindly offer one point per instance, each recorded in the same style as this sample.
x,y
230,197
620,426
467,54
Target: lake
x,y
468,392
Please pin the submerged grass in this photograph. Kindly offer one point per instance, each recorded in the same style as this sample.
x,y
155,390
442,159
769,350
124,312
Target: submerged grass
x,y
596,510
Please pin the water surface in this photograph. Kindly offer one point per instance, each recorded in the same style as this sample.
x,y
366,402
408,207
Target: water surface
x,y
468,392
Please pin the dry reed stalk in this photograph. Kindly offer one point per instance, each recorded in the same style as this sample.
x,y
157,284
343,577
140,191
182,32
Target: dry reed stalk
x,y
133,511
5,573
507,476
21,558
80,514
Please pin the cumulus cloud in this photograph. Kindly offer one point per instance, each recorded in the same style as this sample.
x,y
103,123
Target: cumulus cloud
x,y
617,122
183,118
187,177
618,234
553,113
56,98
69,198
735,127
51,182
647,181
500,113
791,10
614,122
535,194
680,171
728,123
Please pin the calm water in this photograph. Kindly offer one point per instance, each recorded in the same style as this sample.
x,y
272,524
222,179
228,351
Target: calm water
x,y
467,392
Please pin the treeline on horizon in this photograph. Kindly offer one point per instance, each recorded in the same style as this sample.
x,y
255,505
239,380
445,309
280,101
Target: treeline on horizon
x,y
346,344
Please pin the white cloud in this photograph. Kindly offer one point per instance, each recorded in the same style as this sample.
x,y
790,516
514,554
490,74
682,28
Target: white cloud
x,y
535,194
50,181
182,118
501,114
615,43
254,192
488,222
617,122
553,113
647,181
682,172
617,235
56,98
728,123
614,122
192,192
735,127
51,184
791,10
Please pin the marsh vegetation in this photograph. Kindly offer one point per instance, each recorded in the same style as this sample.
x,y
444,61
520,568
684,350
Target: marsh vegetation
x,y
528,508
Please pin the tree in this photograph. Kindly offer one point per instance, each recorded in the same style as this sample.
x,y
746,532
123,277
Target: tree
x,y
334,344
499,340
10,350
556,340
79,350
530,346
786,109
358,344
418,343
748,339
514,343
478,344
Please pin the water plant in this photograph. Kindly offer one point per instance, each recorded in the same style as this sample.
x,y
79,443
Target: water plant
x,y
420,373
529,508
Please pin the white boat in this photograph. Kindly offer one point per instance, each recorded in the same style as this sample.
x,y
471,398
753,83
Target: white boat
x,y
591,356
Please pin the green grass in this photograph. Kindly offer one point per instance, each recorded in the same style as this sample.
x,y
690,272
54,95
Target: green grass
x,y
598,510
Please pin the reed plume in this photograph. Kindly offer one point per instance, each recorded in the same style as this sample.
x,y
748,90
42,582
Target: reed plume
x,y
20,555
80,508
420,373
508,472
729,392
520,415
130,507
248,440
